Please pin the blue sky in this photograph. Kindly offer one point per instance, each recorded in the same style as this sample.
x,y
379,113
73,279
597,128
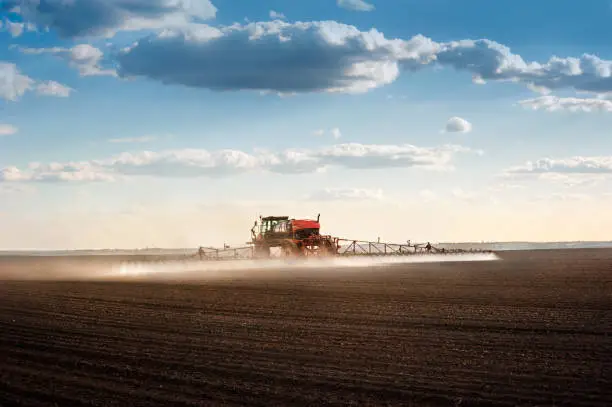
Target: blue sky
x,y
164,123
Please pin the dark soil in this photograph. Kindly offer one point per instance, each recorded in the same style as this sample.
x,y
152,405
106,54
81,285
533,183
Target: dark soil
x,y
534,329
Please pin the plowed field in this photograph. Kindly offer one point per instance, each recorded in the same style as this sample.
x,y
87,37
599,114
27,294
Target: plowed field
x,y
532,329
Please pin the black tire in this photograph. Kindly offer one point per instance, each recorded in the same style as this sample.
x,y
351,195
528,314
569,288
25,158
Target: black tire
x,y
262,251
290,249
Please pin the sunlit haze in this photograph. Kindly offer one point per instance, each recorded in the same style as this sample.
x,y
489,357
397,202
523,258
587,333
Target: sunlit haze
x,y
156,123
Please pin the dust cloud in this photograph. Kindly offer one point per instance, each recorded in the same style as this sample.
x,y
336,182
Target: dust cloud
x,y
100,268
245,269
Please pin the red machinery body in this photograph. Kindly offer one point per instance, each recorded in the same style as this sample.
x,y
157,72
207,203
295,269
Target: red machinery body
x,y
295,237
298,224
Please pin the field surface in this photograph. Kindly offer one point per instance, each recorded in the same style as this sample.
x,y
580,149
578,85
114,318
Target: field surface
x,y
534,329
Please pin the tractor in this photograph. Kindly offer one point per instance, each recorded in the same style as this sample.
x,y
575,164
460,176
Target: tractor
x,y
294,237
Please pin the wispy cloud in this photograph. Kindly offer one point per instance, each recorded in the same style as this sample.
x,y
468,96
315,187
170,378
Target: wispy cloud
x,y
355,5
83,57
555,104
277,15
16,29
14,84
334,132
573,165
142,139
53,88
347,194
7,129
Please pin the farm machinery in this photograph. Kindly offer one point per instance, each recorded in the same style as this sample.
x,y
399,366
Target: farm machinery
x,y
294,237
301,238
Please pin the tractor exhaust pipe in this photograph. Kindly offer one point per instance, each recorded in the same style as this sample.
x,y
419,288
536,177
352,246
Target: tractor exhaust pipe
x,y
318,217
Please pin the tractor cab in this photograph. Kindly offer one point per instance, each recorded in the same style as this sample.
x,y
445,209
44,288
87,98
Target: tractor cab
x,y
270,225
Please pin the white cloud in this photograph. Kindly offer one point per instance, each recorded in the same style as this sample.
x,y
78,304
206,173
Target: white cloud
x,y
82,18
573,165
14,84
355,5
347,194
554,103
201,163
572,179
458,125
277,15
83,57
53,88
7,129
503,186
16,29
569,172
336,133
56,172
141,139
488,60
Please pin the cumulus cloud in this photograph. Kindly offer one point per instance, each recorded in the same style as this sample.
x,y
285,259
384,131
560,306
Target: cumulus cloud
x,y
83,57
294,57
198,162
81,18
347,194
274,56
286,57
7,129
572,104
458,125
355,5
488,60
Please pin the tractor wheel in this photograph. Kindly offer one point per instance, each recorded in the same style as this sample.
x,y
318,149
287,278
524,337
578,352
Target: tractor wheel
x,y
327,249
262,251
290,249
